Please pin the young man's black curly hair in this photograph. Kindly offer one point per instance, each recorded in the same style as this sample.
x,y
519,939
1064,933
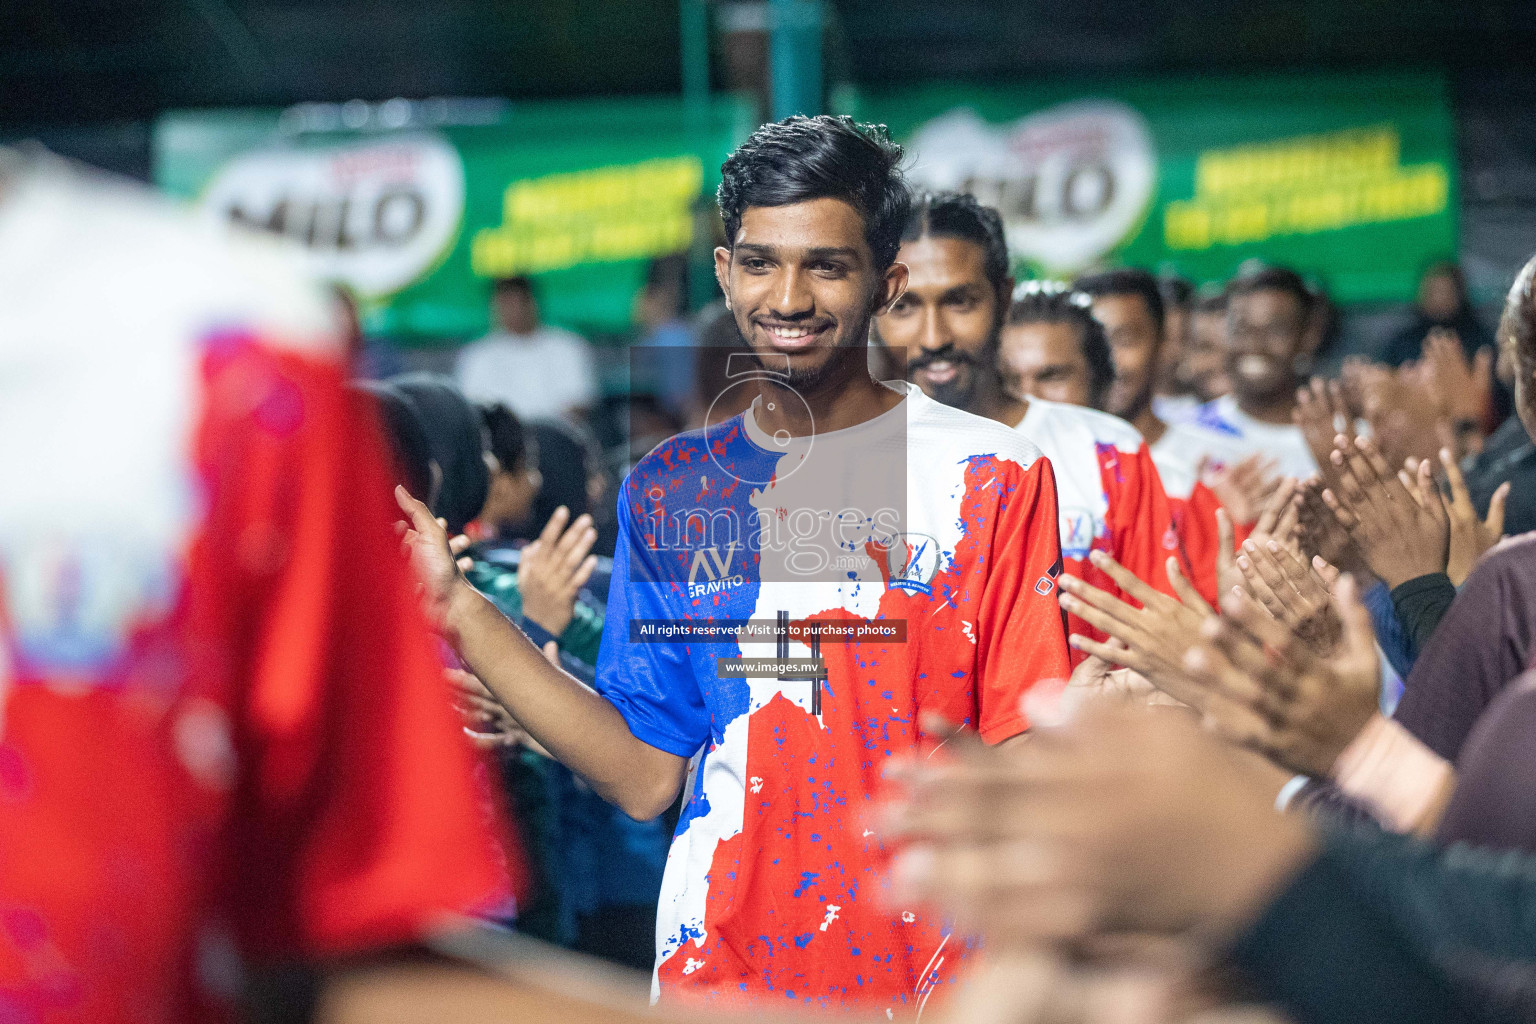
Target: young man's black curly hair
x,y
803,158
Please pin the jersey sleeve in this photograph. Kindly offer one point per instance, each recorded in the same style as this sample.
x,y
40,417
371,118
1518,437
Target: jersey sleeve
x,y
1021,635
356,821
1142,520
651,683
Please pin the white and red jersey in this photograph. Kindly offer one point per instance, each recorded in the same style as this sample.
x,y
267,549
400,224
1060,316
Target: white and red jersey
x,y
934,526
224,732
1109,497
1218,435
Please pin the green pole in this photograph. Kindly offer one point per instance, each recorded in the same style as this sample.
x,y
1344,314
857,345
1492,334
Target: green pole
x,y
695,55
794,56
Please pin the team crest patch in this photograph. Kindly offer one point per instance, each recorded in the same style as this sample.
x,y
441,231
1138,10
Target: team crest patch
x,y
1079,527
913,561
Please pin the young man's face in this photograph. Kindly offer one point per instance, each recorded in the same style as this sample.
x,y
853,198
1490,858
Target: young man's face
x,y
516,311
802,283
1046,361
1175,337
947,320
1266,331
1133,345
1202,367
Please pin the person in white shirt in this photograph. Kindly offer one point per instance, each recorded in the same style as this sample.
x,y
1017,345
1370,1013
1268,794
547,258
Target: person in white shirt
x,y
539,372
1267,349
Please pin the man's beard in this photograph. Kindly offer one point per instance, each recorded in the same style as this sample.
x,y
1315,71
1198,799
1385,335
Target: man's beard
x,y
1133,408
959,393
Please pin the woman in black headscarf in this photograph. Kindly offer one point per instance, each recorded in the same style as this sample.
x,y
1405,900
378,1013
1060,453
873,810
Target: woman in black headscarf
x,y
457,442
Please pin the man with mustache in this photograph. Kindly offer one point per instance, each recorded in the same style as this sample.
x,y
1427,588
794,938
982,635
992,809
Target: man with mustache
x,y
834,501
952,316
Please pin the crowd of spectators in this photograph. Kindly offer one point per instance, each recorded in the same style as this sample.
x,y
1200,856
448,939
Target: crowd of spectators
x,y
1286,770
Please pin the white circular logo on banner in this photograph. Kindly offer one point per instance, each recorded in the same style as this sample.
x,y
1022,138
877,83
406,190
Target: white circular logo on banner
x,y
1071,181
374,215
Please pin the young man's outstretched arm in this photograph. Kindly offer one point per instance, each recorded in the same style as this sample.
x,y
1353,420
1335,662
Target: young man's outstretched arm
x,y
579,727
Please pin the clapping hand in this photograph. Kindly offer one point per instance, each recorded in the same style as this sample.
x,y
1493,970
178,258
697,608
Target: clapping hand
x,y
424,540
1293,592
1151,640
1471,537
554,568
488,724
1400,531
1244,488
1277,694
1321,412
1462,388
1319,532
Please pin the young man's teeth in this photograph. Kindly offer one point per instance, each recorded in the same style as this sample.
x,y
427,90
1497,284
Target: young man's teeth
x,y
789,333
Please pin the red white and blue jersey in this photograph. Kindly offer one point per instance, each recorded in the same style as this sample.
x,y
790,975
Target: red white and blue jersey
x,y
224,736
927,521
1109,495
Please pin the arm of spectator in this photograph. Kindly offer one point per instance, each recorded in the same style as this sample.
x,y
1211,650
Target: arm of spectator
x,y
579,727
554,568
1400,538
1420,604
583,637
1104,823
1391,637
1277,521
1297,708
1122,822
1483,642
1404,783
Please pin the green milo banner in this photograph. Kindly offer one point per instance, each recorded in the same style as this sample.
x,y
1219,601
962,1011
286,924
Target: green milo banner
x,y
417,221
1349,179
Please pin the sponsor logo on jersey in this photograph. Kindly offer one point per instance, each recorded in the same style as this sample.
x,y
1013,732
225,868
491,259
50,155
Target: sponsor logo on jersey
x,y
1047,583
715,569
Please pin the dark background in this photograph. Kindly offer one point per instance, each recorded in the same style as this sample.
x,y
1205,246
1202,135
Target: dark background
x,y
87,77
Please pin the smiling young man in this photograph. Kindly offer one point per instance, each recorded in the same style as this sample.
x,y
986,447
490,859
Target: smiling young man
x,y
951,323
1266,350
883,516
